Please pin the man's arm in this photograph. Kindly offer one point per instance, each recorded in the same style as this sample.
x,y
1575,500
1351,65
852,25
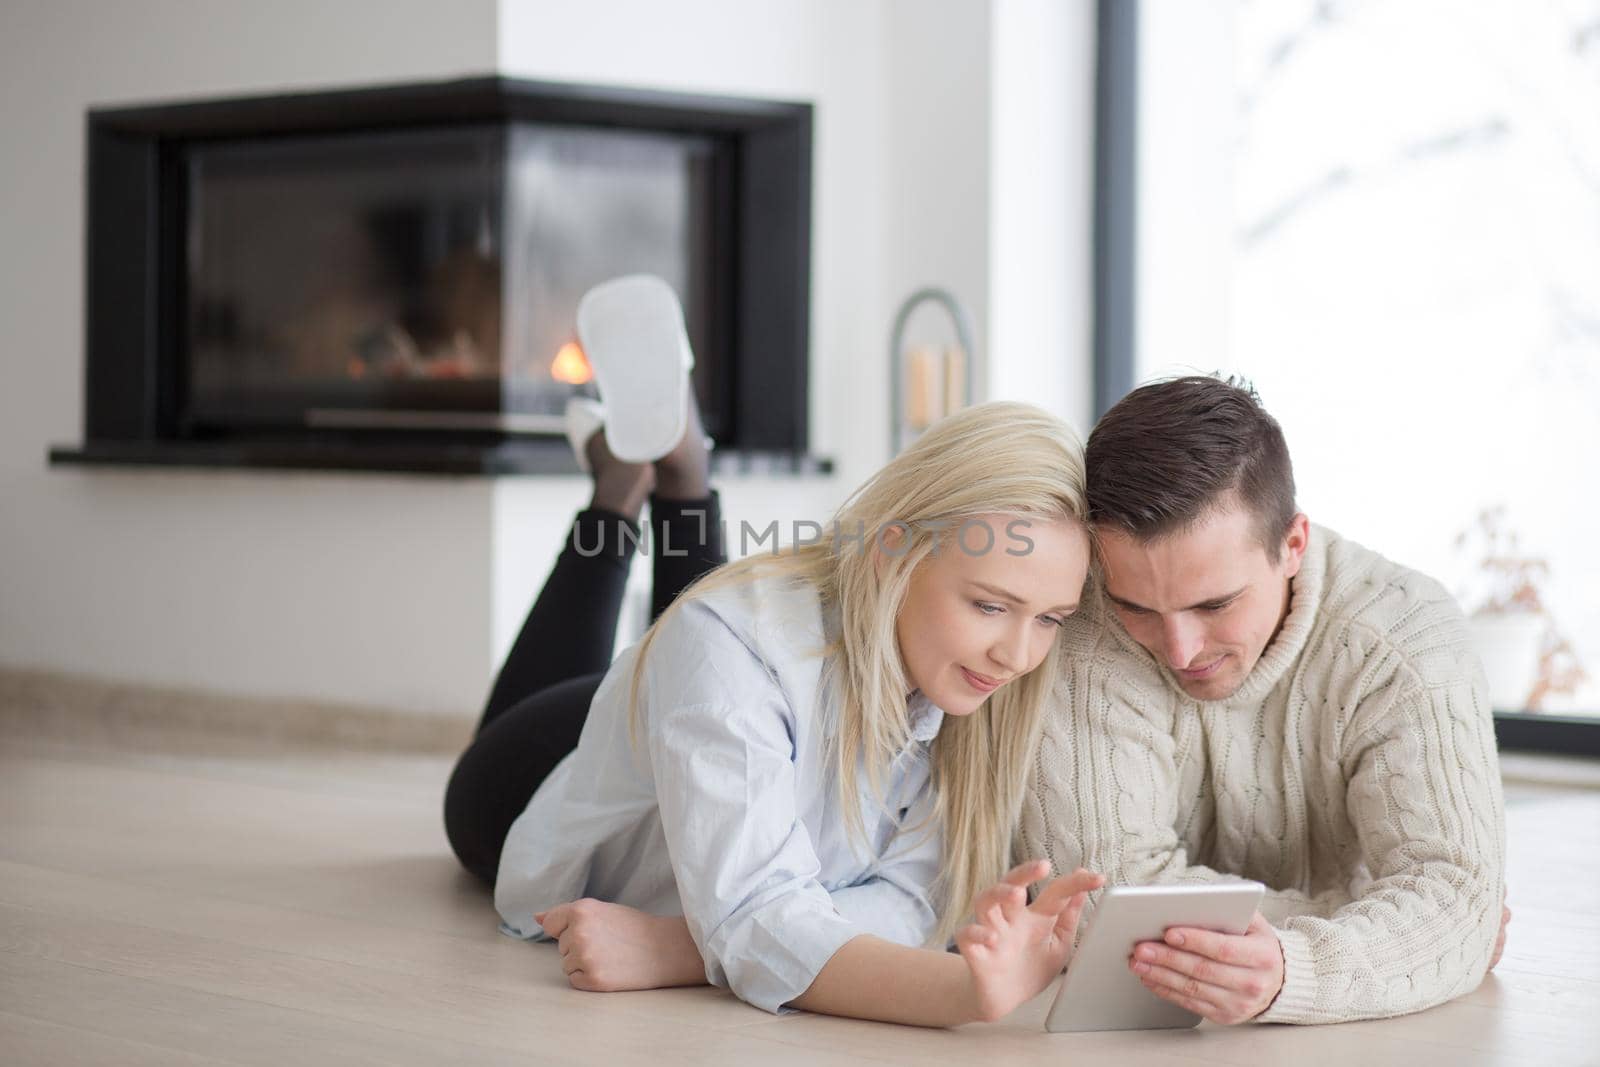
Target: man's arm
x,y
1424,796
1108,797
1109,793
1425,799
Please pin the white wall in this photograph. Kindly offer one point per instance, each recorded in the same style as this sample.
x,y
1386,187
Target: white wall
x,y
370,589
1041,206
936,132
406,590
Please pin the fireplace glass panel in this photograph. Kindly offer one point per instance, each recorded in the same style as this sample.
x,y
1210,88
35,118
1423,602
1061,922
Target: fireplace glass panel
x,y
427,277
585,205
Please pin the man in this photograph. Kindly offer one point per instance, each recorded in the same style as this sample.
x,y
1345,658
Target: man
x,y
1256,696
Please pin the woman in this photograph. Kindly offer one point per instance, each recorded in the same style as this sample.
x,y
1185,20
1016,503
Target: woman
x,y
811,764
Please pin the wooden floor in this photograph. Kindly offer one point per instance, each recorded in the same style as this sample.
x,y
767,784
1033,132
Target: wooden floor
x,y
230,905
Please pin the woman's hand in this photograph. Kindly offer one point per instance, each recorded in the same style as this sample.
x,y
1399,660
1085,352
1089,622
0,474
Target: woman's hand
x,y
1015,949
610,947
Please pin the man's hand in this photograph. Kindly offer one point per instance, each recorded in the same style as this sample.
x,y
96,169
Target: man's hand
x,y
1500,942
1226,978
610,947
1015,949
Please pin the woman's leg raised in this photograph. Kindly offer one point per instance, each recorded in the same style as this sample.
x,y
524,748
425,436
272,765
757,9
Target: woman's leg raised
x,y
572,627
540,701
685,517
541,697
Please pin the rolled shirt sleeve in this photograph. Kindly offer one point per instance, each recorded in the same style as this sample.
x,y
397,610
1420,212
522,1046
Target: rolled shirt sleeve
x,y
722,746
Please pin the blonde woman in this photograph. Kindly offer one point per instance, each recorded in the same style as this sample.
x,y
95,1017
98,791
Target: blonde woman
x,y
801,783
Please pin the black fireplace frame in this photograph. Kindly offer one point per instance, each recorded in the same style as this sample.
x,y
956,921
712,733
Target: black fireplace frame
x,y
135,226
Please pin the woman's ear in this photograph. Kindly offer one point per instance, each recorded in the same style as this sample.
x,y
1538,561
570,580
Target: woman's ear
x,y
891,543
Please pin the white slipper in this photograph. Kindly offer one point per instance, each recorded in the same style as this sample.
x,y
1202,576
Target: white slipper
x,y
631,329
585,418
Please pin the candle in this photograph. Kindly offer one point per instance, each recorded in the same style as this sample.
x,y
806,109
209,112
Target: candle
x,y
955,380
922,388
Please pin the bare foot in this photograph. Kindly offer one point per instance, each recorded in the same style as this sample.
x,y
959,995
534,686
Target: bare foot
x,y
619,487
685,472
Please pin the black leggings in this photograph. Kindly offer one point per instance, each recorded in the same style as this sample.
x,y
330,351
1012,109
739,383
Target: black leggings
x,y
541,696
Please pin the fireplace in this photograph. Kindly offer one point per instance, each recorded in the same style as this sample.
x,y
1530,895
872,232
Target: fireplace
x,y
387,278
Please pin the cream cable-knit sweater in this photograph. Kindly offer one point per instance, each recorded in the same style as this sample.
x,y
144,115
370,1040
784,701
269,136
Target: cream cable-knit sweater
x,y
1354,773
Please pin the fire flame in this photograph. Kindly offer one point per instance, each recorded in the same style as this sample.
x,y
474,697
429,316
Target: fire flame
x,y
570,365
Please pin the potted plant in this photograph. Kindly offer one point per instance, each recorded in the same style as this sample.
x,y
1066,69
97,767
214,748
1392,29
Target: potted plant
x,y
1525,656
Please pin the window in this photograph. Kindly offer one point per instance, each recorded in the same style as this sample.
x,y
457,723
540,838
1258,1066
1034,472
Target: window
x,y
1387,216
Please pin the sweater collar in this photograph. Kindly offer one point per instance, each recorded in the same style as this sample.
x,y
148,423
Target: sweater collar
x,y
1305,598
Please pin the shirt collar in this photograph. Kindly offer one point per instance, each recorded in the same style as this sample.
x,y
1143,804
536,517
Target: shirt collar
x,y
923,717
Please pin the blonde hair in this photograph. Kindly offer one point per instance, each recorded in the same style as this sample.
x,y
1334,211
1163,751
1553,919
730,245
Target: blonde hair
x,y
998,458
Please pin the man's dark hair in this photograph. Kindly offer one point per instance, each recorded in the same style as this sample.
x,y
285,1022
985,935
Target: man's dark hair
x,y
1168,454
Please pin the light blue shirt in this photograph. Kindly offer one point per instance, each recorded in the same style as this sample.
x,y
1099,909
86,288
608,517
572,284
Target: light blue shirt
x,y
727,810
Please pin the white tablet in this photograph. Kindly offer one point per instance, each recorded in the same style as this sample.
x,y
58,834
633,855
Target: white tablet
x,y
1100,992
